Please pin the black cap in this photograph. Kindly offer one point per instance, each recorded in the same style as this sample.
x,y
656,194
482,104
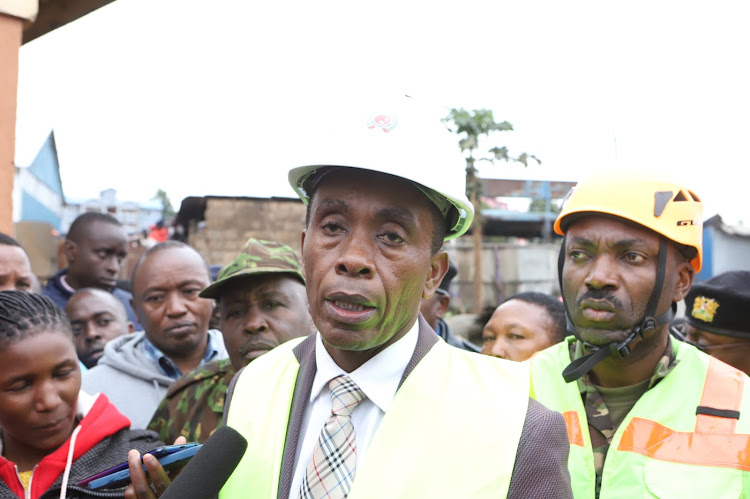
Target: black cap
x,y
719,305
446,284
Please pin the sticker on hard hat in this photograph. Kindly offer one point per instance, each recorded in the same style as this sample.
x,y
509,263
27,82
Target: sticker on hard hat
x,y
382,122
681,223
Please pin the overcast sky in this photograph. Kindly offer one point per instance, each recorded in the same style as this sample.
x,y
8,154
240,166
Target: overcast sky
x,y
147,94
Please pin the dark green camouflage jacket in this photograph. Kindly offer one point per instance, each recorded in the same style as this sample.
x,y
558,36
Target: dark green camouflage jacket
x,y
194,404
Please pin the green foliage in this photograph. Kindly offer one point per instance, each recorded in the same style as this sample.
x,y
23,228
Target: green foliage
x,y
166,211
525,157
469,126
473,124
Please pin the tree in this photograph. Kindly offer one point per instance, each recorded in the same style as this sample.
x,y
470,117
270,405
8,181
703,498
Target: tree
x,y
470,126
166,211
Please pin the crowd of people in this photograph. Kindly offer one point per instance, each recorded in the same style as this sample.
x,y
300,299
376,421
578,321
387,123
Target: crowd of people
x,y
339,369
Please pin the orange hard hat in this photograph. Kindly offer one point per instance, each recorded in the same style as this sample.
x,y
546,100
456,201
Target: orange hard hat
x,y
665,207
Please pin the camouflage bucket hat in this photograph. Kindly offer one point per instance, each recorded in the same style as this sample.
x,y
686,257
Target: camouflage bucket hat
x,y
257,258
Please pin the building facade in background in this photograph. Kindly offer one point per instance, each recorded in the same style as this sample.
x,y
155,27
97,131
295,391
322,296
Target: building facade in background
x,y
135,217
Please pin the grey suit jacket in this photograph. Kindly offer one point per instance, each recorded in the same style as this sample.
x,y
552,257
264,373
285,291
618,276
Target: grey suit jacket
x,y
541,466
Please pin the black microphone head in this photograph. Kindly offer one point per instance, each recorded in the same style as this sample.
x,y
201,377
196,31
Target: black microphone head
x,y
210,468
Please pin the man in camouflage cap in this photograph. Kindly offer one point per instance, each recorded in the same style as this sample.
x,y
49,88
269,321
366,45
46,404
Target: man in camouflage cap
x,y
262,303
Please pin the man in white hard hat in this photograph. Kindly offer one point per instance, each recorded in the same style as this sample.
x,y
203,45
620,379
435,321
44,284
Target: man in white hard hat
x,y
371,404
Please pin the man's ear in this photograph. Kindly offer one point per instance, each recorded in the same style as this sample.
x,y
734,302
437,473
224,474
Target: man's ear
x,y
70,250
438,269
302,251
445,302
685,278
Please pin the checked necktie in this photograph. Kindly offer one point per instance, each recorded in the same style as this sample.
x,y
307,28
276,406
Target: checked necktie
x,y
331,470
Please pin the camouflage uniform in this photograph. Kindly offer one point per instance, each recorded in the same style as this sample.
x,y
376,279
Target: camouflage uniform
x,y
601,427
194,404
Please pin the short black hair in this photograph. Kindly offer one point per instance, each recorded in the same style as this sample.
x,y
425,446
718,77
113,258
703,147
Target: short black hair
x,y
98,291
439,225
554,308
6,240
25,314
82,223
171,243
689,252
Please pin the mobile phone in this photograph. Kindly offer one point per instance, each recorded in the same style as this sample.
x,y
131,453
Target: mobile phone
x,y
159,452
174,457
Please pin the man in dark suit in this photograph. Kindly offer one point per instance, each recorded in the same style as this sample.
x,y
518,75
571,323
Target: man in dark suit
x,y
368,406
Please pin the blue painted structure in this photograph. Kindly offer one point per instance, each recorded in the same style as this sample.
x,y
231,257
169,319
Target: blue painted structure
x,y
725,248
41,187
34,211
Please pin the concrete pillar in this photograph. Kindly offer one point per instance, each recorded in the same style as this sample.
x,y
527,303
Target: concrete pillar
x,y
11,32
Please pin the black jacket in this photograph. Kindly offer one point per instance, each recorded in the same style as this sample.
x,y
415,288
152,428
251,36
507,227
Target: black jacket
x,y
108,453
60,295
444,331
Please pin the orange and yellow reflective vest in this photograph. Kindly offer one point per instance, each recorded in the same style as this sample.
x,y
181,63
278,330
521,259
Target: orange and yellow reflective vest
x,y
688,436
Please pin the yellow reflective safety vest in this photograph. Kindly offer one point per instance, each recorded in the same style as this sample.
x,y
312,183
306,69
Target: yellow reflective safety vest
x,y
688,436
434,441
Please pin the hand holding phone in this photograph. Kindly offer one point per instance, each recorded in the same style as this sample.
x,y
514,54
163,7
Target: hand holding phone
x,y
157,453
170,457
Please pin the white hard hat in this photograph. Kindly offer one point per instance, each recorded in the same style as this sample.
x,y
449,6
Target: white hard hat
x,y
399,138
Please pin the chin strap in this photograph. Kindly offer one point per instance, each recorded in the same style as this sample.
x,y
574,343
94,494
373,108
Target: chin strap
x,y
581,366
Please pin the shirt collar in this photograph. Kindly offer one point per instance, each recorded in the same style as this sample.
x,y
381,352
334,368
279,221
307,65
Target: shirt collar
x,y
167,365
378,378
65,285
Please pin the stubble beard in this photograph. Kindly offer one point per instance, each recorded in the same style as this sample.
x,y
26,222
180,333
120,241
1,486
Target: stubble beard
x,y
602,337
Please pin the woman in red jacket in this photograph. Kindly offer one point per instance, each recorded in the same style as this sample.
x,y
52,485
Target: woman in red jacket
x,y
52,435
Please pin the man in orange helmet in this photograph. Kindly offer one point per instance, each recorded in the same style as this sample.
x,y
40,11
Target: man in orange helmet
x,y
647,416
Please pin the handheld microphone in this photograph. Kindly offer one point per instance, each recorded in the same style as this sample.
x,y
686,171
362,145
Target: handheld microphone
x,y
208,471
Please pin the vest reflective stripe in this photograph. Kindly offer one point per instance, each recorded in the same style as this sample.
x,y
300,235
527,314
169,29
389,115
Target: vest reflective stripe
x,y
722,390
651,439
662,448
420,448
713,443
575,433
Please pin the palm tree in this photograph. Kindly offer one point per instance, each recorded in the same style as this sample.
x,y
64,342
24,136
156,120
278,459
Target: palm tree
x,y
470,126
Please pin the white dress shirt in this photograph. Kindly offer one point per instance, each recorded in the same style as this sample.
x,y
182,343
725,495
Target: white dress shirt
x,y
378,378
